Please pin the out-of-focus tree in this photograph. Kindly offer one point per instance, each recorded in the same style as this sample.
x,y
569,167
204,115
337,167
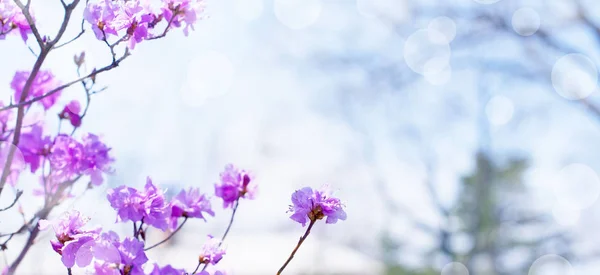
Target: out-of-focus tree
x,y
510,43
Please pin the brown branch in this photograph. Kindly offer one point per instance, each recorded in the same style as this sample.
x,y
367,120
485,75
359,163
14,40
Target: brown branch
x,y
59,88
312,222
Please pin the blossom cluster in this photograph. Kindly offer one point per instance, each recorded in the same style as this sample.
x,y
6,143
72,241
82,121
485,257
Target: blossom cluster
x,y
11,18
134,21
147,207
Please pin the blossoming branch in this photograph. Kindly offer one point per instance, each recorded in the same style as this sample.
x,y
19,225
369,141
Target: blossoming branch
x,y
63,158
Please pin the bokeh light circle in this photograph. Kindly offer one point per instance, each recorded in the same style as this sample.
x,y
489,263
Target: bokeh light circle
x,y
576,186
423,51
455,268
297,14
551,264
526,21
574,76
499,110
445,26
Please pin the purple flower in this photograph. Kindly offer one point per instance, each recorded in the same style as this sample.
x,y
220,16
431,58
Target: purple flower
x,y
69,158
132,256
133,205
183,11
71,112
43,83
166,270
191,204
12,18
34,146
156,210
65,157
234,184
116,257
211,252
135,18
106,269
313,205
128,203
96,159
70,237
100,14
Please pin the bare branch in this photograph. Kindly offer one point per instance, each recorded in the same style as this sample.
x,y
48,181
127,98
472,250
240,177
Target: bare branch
x,y
17,196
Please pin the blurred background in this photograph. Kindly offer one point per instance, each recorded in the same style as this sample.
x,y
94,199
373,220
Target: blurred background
x,y
462,135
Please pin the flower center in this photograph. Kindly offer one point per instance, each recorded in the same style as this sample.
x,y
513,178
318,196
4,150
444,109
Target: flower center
x,y
316,213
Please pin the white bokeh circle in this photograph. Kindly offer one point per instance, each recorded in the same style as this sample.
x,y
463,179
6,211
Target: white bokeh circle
x,y
423,51
248,9
445,26
526,21
565,216
210,75
574,76
551,264
576,186
487,2
297,14
455,268
499,110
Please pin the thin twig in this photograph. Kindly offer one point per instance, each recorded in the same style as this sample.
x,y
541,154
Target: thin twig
x,y
74,38
235,207
198,267
312,222
169,237
166,28
61,87
17,196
